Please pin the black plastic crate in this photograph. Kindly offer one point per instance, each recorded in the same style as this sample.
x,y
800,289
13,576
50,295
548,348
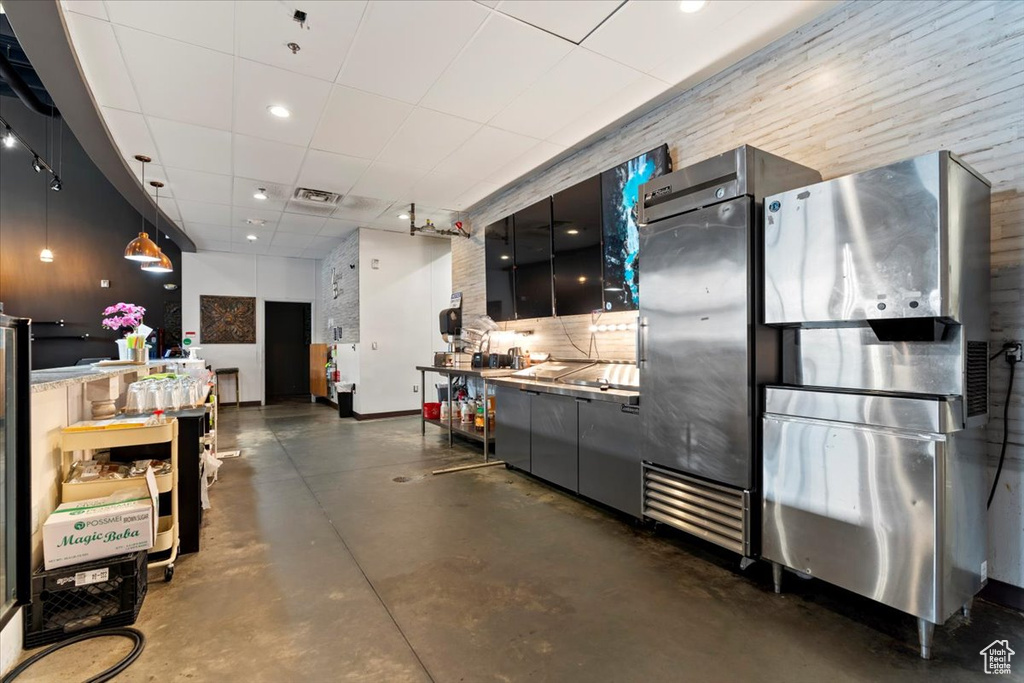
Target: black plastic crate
x,y
85,597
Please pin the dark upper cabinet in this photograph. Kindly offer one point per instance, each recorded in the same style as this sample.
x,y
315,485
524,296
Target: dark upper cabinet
x,y
578,261
498,248
533,261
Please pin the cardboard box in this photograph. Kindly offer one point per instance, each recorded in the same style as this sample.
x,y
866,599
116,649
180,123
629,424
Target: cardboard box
x,y
86,530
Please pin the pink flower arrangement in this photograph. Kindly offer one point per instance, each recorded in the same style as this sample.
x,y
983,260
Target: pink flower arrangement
x,y
123,316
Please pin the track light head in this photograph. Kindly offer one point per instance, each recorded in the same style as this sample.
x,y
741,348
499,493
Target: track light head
x,y
56,184
37,165
9,138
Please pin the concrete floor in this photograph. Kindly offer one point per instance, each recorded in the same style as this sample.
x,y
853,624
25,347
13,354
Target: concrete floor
x,y
332,554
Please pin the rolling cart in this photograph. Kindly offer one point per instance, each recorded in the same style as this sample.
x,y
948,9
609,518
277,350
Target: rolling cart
x,y
86,437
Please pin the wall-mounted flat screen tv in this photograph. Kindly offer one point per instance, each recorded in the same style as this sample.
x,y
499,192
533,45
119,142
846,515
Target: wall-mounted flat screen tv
x,y
619,194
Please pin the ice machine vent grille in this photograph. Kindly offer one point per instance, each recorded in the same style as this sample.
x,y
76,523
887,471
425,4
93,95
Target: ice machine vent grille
x,y
977,378
715,513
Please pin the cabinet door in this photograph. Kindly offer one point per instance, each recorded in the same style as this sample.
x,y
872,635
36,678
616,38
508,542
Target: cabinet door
x,y
533,282
609,438
576,236
512,427
318,370
500,270
553,447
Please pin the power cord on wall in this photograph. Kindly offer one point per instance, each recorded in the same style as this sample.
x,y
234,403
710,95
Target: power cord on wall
x,y
1012,351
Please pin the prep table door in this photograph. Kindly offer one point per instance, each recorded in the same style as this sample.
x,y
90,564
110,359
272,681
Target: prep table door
x,y
553,442
610,470
697,395
512,427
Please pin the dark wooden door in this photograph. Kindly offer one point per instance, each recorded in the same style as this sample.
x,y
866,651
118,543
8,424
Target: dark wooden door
x,y
287,328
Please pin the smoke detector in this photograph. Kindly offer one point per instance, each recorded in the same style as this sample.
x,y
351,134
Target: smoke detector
x,y
316,196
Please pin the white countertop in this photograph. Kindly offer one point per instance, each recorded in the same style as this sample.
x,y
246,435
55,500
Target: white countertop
x,y
52,378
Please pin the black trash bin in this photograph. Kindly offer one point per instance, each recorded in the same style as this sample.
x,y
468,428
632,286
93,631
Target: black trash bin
x,y
344,395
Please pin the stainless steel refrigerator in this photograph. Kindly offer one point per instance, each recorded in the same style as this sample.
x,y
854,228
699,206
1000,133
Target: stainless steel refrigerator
x,y
874,449
703,351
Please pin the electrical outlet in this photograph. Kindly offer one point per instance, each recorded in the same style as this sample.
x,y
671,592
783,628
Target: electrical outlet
x,y
373,345
415,388
375,263
1013,352
105,284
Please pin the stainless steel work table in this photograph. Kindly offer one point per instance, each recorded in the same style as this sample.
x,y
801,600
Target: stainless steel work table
x,y
486,438
623,396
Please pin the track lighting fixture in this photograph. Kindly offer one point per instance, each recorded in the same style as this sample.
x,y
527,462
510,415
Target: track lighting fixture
x,y
37,165
56,185
8,137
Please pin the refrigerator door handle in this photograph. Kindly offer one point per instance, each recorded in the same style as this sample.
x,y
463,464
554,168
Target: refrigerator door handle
x,y
641,343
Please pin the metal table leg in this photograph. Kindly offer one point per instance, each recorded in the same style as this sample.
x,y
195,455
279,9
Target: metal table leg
x,y
451,439
487,448
423,400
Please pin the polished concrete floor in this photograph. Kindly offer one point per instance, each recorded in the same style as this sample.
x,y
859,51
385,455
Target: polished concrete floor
x,y
332,554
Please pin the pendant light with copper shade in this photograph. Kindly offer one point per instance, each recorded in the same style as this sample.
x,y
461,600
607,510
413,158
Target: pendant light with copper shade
x,y
142,248
164,265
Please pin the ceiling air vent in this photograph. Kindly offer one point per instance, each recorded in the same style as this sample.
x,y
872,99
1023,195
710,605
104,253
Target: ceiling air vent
x,y
322,197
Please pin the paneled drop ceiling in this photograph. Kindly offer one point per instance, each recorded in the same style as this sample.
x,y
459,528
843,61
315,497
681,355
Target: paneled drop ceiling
x,y
391,101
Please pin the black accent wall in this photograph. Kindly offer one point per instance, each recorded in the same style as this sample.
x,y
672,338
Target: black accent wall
x,y
90,224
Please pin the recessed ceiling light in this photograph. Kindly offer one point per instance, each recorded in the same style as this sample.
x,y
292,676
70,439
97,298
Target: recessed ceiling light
x,y
574,231
582,279
403,216
255,221
279,111
251,238
170,286
691,6
261,193
505,257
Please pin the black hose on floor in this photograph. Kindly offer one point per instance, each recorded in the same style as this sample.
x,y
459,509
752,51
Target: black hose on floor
x,y
132,634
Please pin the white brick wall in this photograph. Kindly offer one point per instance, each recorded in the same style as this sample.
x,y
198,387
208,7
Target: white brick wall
x,y
345,309
865,84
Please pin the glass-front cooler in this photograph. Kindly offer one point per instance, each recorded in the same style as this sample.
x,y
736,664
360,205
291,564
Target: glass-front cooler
x,y
14,464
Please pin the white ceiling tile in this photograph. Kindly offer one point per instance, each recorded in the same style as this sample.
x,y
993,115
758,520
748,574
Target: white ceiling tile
x,y
131,135
245,188
286,252
618,104
258,87
489,3
199,186
178,81
169,207
499,63
265,28
481,152
425,138
644,34
441,189
357,123
151,172
298,223
475,194
183,145
206,23
275,161
240,235
576,85
751,26
206,232
571,19
403,46
387,181
291,239
332,172
93,8
100,56
336,227
310,208
525,163
204,212
360,209
240,217
212,245
323,244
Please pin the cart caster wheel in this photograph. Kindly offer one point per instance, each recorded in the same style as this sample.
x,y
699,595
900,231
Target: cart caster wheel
x,y
168,573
